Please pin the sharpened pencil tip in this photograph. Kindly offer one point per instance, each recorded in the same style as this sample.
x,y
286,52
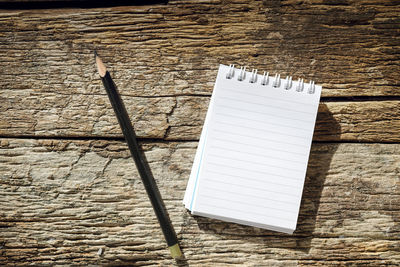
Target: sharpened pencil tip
x,y
100,65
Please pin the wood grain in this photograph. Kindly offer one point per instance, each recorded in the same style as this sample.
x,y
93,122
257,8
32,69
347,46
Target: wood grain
x,y
63,200
175,118
77,199
349,47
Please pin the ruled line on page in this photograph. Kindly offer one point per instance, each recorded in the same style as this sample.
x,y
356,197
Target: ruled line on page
x,y
232,115
255,162
255,188
264,113
265,105
263,172
250,187
245,203
251,179
258,146
249,93
257,137
255,154
252,204
247,211
261,130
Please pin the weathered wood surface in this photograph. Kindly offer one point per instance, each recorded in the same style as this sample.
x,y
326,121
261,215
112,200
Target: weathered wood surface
x,y
63,200
176,118
350,47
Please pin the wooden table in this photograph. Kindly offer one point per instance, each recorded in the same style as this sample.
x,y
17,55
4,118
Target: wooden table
x,y
69,191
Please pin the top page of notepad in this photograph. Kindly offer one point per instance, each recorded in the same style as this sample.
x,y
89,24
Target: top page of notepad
x,y
253,162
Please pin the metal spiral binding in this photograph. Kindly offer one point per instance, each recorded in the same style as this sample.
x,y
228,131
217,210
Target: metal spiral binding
x,y
300,85
265,78
231,72
253,77
242,74
276,81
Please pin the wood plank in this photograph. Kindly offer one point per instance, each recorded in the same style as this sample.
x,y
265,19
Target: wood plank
x,y
369,121
63,200
29,113
350,47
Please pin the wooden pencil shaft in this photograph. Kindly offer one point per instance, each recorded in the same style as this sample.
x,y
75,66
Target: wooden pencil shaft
x,y
142,167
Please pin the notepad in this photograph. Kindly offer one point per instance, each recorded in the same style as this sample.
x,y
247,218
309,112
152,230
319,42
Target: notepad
x,y
252,157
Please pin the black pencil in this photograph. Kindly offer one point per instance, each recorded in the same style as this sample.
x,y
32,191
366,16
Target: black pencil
x,y
142,167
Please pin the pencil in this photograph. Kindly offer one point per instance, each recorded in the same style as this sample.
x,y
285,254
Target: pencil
x,y
141,165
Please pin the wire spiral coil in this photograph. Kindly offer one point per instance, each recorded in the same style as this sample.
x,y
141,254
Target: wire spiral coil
x,y
265,79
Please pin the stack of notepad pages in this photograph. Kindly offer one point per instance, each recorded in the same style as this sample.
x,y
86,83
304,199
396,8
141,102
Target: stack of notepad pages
x,y
252,157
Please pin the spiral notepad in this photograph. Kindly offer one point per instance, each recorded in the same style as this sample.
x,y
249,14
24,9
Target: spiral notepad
x,y
252,157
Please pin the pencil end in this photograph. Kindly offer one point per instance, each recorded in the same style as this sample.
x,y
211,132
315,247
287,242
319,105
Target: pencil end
x,y
101,68
176,252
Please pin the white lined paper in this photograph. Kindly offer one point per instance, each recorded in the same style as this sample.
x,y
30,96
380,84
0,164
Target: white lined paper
x,y
252,157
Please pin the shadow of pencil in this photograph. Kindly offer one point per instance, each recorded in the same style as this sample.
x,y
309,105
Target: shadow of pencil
x,y
327,128
181,261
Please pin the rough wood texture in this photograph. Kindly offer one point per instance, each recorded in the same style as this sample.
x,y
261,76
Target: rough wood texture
x,y
63,200
350,47
176,118
66,202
